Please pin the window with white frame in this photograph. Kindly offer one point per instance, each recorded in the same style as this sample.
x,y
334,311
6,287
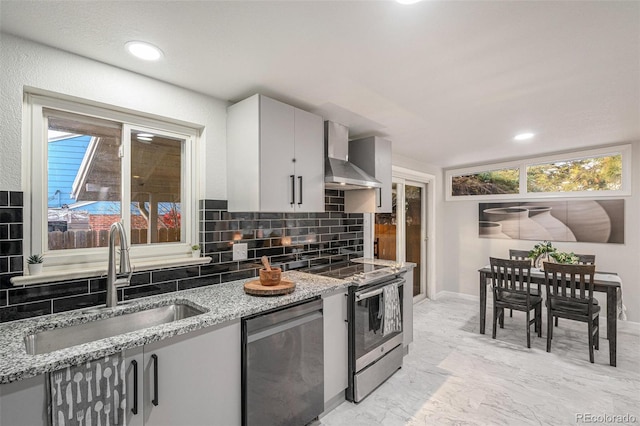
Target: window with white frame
x,y
589,173
91,167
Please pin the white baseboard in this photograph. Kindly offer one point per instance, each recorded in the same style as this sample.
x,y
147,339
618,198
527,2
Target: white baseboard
x,y
454,294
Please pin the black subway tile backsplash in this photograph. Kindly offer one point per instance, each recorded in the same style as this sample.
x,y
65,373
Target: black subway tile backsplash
x,y
34,293
10,214
84,301
99,284
149,290
10,248
15,263
290,240
196,282
28,310
238,275
174,274
15,231
16,198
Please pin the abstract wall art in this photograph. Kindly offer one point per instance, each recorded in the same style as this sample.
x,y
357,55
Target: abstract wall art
x,y
595,221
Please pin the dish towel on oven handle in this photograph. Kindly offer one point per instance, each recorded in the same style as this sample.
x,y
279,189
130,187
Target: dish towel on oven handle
x,y
93,393
392,318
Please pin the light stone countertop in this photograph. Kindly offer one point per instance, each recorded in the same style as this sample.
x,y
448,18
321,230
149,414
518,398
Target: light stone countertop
x,y
223,302
383,262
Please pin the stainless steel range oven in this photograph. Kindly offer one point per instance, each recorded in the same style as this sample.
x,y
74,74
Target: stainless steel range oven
x,y
375,323
375,345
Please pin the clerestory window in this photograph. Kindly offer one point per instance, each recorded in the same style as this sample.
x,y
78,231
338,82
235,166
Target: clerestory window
x,y
592,173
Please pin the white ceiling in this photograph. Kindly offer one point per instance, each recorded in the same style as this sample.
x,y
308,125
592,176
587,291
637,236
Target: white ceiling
x,y
450,83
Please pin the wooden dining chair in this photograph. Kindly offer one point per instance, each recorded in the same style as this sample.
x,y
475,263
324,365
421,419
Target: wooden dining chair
x,y
511,284
570,296
584,259
515,254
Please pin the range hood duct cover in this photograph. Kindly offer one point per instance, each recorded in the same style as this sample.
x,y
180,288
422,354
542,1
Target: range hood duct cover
x,y
339,173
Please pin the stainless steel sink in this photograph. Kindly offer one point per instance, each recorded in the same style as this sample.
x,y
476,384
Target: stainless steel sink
x,y
46,341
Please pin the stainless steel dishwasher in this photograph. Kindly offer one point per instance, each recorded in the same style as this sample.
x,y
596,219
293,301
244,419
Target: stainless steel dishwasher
x,y
283,366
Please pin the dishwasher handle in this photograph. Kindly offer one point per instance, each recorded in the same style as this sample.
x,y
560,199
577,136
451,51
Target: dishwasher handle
x,y
283,326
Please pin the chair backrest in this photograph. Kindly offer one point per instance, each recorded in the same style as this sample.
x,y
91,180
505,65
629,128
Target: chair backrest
x,y
510,276
519,255
515,254
569,282
586,259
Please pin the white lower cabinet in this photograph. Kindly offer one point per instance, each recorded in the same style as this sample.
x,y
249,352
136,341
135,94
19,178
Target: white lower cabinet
x,y
198,382
193,379
23,403
336,334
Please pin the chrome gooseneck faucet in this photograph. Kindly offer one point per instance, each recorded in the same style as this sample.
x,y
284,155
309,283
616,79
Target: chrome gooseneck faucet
x,y
113,281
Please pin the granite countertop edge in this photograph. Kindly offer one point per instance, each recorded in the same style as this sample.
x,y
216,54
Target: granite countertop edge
x,y
224,303
383,262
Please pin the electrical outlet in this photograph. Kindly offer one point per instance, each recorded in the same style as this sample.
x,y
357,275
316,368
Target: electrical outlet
x,y
240,251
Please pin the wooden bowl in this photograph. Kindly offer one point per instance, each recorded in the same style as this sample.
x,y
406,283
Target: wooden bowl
x,y
272,277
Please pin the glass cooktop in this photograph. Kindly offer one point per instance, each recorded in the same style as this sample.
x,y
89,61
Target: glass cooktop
x,y
342,270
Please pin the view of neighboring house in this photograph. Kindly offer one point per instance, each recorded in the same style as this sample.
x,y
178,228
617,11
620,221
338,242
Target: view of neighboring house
x,y
74,223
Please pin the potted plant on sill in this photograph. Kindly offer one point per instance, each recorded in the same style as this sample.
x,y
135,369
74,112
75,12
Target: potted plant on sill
x,y
195,250
34,263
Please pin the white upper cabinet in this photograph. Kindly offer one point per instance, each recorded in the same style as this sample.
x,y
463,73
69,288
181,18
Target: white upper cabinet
x,y
373,155
275,157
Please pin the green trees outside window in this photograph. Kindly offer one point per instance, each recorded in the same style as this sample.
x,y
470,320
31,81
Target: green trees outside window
x,y
492,182
588,174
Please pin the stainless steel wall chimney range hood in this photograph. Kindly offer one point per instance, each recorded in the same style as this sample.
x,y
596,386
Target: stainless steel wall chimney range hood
x,y
339,173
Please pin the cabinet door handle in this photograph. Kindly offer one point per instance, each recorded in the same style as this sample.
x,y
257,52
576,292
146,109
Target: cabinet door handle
x,y
134,409
300,189
154,401
380,199
293,189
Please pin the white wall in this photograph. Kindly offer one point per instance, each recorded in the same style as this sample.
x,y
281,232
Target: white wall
x,y
24,64
465,252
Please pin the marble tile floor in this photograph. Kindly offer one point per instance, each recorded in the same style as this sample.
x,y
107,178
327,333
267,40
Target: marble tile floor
x,y
455,376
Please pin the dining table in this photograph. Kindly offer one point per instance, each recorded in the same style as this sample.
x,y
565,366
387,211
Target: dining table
x,y
604,282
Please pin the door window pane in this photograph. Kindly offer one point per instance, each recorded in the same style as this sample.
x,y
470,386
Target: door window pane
x,y
505,181
587,174
156,188
384,244
83,180
413,223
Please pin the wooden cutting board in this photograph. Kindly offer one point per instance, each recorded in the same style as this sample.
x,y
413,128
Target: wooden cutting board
x,y
254,288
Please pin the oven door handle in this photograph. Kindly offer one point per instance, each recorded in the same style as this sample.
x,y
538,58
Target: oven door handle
x,y
377,291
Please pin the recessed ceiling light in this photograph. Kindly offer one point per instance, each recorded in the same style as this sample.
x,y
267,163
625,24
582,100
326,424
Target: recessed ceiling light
x,y
143,50
144,138
523,136
145,135
407,1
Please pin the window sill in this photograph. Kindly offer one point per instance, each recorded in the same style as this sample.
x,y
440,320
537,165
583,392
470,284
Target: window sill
x,y
80,273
